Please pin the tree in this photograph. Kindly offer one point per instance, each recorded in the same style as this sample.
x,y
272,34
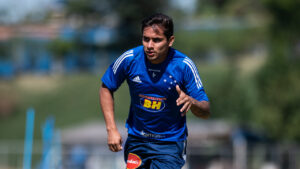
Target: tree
x,y
131,12
279,81
128,12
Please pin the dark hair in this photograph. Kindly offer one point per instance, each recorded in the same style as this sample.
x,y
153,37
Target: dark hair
x,y
160,19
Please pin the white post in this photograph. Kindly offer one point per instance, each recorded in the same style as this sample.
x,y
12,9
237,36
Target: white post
x,y
239,151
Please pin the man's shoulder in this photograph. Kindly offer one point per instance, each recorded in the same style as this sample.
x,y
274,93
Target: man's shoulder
x,y
179,57
136,50
130,55
178,53
134,53
183,62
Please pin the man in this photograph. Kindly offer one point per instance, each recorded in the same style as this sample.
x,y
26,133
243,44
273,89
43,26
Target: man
x,y
164,85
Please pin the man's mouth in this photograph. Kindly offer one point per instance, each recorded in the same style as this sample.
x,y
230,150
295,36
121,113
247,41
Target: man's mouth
x,y
150,53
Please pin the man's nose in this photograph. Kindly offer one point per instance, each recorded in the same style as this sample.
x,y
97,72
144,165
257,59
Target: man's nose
x,y
150,44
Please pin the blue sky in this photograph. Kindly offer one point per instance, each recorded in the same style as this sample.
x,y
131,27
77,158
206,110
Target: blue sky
x,y
12,11
189,6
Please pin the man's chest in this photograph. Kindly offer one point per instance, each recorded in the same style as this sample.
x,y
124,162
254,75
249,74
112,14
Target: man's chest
x,y
154,81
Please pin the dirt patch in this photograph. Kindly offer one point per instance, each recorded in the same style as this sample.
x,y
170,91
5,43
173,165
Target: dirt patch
x,y
35,83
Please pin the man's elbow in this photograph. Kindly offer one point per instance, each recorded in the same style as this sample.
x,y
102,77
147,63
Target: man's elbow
x,y
202,111
205,114
202,114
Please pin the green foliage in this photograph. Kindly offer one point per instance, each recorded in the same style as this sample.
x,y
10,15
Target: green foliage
x,y
5,50
279,95
61,47
279,88
215,5
285,14
278,81
131,13
270,99
82,8
231,41
232,97
286,23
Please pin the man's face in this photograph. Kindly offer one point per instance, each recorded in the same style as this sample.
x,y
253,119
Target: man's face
x,y
156,44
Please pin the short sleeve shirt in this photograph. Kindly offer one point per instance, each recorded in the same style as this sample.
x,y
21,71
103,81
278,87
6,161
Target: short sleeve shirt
x,y
153,112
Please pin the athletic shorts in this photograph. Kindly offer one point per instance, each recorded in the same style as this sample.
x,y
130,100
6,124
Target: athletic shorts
x,y
149,154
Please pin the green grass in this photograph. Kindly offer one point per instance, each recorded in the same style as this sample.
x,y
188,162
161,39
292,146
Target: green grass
x,y
69,99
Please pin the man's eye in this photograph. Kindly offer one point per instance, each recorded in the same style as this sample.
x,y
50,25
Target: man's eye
x,y
156,40
145,39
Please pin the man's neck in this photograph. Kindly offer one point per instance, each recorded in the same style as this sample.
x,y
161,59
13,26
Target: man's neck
x,y
161,60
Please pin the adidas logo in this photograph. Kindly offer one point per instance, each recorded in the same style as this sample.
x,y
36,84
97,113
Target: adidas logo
x,y
137,79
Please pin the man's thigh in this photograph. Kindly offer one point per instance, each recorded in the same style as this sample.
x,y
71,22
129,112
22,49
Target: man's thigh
x,y
140,154
166,162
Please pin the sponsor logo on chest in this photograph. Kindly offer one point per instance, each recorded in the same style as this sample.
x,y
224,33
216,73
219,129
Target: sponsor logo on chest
x,y
153,104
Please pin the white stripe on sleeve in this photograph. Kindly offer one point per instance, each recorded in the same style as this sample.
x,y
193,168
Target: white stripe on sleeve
x,y
195,72
121,59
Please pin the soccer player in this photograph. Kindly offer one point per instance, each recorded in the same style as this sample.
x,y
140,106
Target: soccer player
x,y
164,85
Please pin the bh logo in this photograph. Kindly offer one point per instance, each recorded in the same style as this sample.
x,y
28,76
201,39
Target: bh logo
x,y
153,104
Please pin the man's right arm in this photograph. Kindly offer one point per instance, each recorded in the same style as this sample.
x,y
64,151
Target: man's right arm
x,y
114,139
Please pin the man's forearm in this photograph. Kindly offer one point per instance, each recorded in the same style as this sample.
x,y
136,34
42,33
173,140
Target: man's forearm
x,y
107,107
114,139
201,109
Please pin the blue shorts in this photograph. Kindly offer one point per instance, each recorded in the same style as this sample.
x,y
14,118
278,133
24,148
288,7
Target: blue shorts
x,y
149,154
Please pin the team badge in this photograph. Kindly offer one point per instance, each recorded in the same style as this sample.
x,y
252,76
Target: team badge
x,y
133,161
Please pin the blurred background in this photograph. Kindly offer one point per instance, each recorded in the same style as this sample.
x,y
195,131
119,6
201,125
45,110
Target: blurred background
x,y
53,54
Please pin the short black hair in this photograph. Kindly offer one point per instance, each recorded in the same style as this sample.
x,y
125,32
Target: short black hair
x,y
160,19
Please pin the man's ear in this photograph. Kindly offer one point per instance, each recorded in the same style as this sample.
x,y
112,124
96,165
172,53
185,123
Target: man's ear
x,y
171,40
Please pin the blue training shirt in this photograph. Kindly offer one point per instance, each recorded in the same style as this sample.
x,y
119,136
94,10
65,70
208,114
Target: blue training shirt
x,y
153,111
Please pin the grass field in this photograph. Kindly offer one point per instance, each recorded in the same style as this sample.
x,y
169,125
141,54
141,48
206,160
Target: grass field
x,y
73,99
70,99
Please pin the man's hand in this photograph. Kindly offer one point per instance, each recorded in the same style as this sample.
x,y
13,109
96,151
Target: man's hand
x,y
185,100
114,140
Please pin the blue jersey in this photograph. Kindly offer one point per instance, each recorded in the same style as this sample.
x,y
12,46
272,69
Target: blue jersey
x,y
153,111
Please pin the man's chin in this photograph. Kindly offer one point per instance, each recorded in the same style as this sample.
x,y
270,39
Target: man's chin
x,y
151,58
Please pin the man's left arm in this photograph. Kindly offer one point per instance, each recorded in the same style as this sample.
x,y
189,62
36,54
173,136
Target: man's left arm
x,y
199,108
